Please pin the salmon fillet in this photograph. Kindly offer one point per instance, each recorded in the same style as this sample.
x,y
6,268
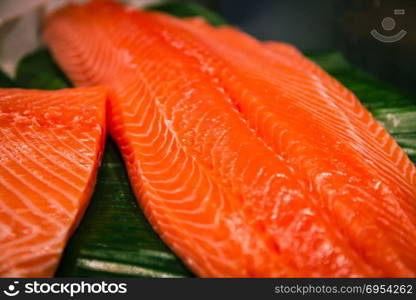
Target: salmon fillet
x,y
50,149
247,159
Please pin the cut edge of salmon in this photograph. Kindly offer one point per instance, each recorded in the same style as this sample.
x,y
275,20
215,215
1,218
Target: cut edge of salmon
x,y
59,163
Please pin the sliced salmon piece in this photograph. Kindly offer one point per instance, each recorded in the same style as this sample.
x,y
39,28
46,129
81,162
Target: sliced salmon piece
x,y
307,87
51,145
208,109
244,164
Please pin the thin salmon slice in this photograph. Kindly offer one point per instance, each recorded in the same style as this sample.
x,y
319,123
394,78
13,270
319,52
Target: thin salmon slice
x,y
50,149
245,163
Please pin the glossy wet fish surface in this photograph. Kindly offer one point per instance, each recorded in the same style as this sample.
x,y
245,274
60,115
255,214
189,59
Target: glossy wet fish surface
x,y
247,158
50,149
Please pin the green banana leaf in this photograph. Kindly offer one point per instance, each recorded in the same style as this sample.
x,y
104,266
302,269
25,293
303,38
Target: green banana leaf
x,y
37,70
5,81
114,238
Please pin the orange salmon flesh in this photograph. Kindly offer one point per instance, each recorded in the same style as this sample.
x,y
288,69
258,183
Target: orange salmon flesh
x,y
50,148
247,158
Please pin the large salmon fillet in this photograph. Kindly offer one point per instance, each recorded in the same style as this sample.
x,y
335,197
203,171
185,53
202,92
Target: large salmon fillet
x,y
50,148
247,159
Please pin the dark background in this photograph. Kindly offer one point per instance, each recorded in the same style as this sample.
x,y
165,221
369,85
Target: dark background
x,y
308,24
343,25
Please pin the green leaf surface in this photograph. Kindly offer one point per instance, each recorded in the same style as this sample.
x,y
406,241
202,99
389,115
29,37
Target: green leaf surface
x,y
114,238
38,71
5,81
